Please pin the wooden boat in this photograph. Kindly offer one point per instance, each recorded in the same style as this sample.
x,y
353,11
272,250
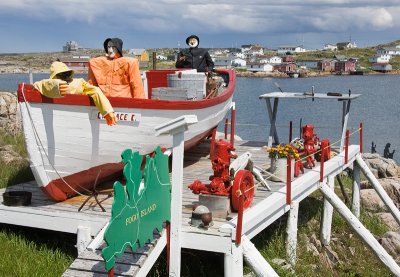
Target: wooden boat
x,y
70,147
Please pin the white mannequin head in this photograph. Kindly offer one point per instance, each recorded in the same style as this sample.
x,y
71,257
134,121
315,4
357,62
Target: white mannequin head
x,y
193,42
111,50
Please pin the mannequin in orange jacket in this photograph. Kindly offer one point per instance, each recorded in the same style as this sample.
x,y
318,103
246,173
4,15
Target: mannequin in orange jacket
x,y
117,76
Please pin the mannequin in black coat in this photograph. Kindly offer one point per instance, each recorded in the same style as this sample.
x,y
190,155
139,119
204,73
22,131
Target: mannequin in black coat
x,y
194,57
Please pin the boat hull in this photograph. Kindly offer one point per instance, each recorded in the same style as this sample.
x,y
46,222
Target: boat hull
x,y
70,145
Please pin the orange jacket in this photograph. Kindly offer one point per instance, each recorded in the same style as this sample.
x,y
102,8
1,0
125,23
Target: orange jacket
x,y
116,77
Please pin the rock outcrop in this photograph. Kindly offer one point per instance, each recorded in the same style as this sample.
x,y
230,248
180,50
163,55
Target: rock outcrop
x,y
10,119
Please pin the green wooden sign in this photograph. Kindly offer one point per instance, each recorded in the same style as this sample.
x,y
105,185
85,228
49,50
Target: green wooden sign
x,y
137,210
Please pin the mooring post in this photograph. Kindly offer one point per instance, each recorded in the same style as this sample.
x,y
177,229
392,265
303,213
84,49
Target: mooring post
x,y
176,128
290,130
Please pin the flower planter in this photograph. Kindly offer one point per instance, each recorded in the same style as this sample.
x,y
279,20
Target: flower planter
x,y
279,169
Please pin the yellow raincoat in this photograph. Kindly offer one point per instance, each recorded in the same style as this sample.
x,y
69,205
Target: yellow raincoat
x,y
50,88
118,77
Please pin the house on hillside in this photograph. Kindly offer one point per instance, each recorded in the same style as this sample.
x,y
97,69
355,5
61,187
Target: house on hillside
x,y
346,45
70,46
393,51
380,58
382,67
290,49
331,47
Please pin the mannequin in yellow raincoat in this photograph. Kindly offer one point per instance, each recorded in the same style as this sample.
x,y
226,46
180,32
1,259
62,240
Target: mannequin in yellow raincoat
x,y
115,75
61,82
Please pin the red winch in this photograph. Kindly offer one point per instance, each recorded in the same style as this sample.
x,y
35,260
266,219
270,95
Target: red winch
x,y
310,141
226,180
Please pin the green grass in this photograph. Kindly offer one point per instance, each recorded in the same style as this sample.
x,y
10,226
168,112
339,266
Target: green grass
x,y
27,252
34,252
16,172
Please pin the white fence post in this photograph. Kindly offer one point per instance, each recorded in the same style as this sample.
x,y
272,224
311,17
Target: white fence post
x,y
176,128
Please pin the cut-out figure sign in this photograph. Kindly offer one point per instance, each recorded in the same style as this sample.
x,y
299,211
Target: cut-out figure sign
x,y
137,210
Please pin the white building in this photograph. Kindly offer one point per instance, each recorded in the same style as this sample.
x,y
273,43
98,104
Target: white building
x,y
394,51
272,60
331,47
257,67
380,59
238,62
290,49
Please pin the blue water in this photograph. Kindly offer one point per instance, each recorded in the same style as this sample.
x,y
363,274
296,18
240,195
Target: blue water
x,y
377,107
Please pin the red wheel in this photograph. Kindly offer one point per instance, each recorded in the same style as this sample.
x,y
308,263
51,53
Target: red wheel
x,y
246,178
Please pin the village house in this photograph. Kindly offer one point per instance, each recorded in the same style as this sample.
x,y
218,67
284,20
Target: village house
x,y
286,67
345,66
141,54
259,67
382,67
393,51
70,46
290,49
312,64
346,45
380,58
271,60
79,63
326,65
331,47
238,62
222,62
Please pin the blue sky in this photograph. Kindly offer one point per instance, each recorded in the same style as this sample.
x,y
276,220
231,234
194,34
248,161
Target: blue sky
x,y
45,26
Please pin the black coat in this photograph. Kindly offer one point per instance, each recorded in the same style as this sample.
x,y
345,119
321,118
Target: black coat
x,y
196,58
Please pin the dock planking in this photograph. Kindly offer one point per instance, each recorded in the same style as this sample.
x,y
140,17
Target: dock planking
x,y
197,166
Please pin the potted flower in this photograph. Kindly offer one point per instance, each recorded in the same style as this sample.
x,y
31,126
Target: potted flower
x,y
279,155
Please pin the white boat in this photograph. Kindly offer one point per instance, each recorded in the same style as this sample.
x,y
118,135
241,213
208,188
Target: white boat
x,y
70,147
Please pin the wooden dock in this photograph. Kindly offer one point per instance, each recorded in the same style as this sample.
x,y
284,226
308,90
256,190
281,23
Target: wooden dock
x,y
267,207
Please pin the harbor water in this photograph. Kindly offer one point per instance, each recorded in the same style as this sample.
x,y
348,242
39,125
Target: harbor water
x,y
378,107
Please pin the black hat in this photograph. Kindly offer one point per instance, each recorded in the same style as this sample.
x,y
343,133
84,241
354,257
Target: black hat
x,y
192,36
117,43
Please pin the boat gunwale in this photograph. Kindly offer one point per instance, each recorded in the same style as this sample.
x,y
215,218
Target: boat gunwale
x,y
34,96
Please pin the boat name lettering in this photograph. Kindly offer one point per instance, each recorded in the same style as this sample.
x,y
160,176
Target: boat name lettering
x,y
133,117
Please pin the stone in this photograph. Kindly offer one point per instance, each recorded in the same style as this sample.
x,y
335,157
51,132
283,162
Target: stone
x,y
391,242
10,119
389,221
371,201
